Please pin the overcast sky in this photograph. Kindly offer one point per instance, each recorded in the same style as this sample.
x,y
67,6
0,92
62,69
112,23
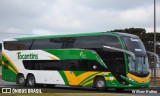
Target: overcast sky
x,y
45,17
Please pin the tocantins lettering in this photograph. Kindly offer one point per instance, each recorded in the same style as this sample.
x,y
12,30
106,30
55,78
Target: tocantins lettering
x,y
27,56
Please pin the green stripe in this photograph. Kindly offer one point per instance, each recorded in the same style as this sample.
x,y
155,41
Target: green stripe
x,y
89,85
91,79
8,63
77,73
81,83
64,77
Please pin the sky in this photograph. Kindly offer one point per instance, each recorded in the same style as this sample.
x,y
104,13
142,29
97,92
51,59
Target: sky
x,y
52,17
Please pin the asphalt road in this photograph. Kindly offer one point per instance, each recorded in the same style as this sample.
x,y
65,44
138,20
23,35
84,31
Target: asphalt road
x,y
155,86
67,89
61,88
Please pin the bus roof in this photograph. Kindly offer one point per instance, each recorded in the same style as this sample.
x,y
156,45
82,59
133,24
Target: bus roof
x,y
68,35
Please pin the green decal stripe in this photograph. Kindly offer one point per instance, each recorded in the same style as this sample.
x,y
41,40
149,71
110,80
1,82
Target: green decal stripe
x,y
8,64
89,85
77,73
9,67
64,77
91,79
81,83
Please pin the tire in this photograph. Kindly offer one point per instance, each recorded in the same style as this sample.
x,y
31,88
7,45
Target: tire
x,y
100,84
21,80
31,82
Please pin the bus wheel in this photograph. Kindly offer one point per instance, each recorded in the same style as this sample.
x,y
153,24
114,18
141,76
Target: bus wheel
x,y
100,84
21,80
31,82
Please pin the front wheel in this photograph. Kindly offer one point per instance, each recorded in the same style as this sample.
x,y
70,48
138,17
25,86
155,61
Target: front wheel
x,y
100,84
31,82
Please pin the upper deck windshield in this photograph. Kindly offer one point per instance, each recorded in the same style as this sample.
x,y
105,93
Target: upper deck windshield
x,y
140,66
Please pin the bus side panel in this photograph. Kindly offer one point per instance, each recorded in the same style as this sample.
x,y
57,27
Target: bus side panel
x,y
46,77
8,74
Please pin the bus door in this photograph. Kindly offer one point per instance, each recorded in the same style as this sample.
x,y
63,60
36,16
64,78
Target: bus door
x,y
117,68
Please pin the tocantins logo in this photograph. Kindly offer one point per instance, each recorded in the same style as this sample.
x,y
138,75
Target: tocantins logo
x,y
27,56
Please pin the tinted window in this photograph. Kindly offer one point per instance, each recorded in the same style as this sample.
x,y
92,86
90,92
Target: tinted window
x,y
69,42
65,42
17,45
67,65
70,64
45,44
95,66
87,42
96,42
111,41
49,65
41,64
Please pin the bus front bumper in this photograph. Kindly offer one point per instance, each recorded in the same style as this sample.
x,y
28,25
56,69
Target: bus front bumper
x,y
135,84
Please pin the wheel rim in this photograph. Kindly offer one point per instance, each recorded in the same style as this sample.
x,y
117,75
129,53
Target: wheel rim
x,y
31,81
21,80
100,84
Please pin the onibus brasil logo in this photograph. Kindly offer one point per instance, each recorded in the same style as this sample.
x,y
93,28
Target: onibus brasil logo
x,y
27,56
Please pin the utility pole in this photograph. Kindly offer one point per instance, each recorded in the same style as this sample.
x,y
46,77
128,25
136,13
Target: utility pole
x,y
155,63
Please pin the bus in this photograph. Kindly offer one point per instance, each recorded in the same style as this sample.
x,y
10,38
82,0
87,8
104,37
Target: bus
x,y
100,60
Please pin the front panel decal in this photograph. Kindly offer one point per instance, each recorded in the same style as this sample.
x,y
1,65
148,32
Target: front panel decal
x,y
9,62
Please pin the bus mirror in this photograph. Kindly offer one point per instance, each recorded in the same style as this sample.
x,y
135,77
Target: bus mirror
x,y
121,50
155,55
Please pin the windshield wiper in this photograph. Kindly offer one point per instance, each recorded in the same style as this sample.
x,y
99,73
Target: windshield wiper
x,y
121,50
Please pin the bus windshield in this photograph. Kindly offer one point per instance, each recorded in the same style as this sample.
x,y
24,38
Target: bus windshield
x,y
135,45
140,66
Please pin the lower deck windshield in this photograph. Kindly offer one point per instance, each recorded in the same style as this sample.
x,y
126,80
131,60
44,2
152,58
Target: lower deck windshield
x,y
140,66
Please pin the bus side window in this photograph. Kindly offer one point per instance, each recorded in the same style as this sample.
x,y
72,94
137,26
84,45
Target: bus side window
x,y
13,45
20,47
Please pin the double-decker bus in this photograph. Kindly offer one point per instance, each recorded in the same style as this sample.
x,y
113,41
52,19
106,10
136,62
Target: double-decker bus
x,y
99,60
